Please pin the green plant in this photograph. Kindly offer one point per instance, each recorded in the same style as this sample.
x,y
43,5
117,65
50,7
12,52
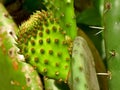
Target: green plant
x,y
14,73
83,73
111,36
61,46
42,41
64,12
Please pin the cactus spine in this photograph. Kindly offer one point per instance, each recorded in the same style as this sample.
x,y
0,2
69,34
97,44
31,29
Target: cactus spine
x,y
111,36
83,74
14,74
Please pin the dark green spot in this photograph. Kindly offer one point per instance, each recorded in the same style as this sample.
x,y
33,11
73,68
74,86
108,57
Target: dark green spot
x,y
48,40
77,79
45,61
47,31
64,42
57,20
36,59
59,54
45,70
32,42
60,29
25,49
86,86
57,64
41,28
27,58
34,35
46,23
54,28
26,42
41,23
42,51
81,68
29,36
33,50
50,52
66,66
68,25
67,59
56,41
40,34
40,41
63,32
51,20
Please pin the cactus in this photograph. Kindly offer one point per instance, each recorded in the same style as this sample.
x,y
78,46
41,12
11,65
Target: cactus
x,y
99,65
42,41
64,12
51,84
44,45
14,74
111,36
83,74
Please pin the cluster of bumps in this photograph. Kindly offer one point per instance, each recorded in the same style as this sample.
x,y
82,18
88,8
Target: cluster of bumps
x,y
43,43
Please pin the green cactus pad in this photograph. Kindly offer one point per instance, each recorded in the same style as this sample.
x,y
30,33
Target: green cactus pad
x,y
14,74
83,75
43,43
64,11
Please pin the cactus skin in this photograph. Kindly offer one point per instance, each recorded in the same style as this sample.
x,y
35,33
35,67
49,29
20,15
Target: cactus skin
x,y
64,12
83,74
111,36
99,65
14,74
51,84
42,41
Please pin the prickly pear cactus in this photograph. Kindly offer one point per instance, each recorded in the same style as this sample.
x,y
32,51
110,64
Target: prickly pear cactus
x,y
64,12
83,74
14,74
111,36
99,65
43,43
